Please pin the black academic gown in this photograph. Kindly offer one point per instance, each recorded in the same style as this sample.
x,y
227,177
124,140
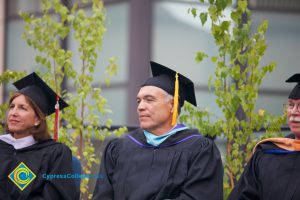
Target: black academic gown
x,y
271,174
43,158
185,166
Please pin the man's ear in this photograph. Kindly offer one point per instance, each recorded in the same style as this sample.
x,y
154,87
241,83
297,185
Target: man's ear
x,y
171,103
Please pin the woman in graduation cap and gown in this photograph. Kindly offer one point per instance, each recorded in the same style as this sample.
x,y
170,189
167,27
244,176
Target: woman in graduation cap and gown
x,y
273,172
27,152
161,159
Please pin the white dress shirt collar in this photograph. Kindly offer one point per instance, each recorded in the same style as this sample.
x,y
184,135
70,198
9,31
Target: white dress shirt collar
x,y
18,143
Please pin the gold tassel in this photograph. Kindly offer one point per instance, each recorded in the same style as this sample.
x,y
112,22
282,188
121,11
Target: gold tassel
x,y
176,96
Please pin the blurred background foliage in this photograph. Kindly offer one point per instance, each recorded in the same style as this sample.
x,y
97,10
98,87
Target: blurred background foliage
x,y
80,121
235,83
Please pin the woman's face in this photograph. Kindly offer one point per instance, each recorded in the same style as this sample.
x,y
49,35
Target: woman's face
x,y
21,117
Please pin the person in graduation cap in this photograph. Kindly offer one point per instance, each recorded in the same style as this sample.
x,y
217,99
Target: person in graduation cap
x,y
162,159
27,153
273,171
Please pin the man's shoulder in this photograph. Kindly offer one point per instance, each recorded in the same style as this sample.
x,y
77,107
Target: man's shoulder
x,y
270,143
195,135
125,138
191,139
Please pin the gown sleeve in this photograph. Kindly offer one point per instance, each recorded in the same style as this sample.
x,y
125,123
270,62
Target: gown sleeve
x,y
205,175
104,189
60,188
248,184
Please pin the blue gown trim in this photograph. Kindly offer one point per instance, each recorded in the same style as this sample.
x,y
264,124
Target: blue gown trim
x,y
278,151
162,146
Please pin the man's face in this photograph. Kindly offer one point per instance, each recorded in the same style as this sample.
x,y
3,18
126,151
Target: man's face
x,y
154,109
293,114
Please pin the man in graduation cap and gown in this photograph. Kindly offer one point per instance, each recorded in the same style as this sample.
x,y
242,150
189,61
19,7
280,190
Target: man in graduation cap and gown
x,y
27,153
273,172
161,159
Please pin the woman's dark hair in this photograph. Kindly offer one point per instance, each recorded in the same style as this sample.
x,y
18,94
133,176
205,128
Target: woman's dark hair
x,y
39,132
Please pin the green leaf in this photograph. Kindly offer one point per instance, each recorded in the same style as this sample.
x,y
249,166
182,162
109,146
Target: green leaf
x,y
221,4
203,18
235,16
263,27
225,25
214,59
242,4
200,56
194,12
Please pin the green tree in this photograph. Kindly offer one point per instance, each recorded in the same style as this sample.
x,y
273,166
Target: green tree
x,y
45,34
236,82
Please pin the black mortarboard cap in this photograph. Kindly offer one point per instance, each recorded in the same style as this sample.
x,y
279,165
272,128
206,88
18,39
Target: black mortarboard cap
x,y
38,91
295,93
164,78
